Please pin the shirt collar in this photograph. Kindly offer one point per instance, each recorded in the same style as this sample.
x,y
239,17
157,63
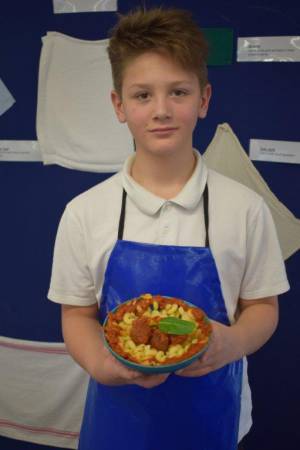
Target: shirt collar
x,y
188,198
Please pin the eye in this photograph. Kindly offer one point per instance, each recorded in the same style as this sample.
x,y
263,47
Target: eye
x,y
142,96
179,92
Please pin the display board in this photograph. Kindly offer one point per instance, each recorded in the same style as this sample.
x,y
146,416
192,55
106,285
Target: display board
x,y
260,100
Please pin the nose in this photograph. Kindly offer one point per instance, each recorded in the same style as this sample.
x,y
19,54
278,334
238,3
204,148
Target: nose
x,y
162,108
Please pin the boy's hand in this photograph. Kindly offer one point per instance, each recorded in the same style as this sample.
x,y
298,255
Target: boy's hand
x,y
81,331
257,321
222,350
113,373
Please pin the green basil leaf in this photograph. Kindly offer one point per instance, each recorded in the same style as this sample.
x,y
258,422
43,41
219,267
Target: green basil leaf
x,y
173,325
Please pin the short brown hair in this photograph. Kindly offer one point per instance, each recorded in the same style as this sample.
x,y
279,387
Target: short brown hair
x,y
168,31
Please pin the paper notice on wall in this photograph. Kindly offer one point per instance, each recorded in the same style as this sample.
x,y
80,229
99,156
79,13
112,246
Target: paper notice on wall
x,y
27,151
269,49
275,151
6,99
79,6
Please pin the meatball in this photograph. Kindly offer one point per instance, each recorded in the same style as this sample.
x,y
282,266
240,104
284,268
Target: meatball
x,y
177,339
159,340
140,331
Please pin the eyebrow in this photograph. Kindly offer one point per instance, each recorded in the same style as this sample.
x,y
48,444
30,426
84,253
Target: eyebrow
x,y
146,85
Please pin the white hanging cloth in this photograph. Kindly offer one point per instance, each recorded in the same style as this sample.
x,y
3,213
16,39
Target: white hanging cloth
x,y
76,124
42,393
226,155
6,99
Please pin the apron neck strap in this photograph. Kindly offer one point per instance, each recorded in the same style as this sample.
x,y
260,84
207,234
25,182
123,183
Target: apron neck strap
x,y
206,216
122,216
205,207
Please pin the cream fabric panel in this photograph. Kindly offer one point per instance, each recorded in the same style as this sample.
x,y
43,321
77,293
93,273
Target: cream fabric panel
x,y
42,393
76,124
226,155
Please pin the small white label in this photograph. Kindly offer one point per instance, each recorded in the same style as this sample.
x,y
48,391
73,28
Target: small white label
x,y
275,151
78,6
20,151
269,49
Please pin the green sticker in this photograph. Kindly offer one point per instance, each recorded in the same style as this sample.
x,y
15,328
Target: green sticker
x,y
173,325
220,41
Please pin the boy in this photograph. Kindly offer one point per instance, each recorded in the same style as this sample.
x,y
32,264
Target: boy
x,y
175,214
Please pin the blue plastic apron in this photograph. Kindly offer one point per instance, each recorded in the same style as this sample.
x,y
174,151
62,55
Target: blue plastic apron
x,y
199,413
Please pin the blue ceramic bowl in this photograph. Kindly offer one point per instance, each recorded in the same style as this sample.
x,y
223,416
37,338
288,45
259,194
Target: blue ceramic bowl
x,y
164,368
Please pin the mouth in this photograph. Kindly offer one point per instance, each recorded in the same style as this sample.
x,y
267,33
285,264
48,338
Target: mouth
x,y
165,130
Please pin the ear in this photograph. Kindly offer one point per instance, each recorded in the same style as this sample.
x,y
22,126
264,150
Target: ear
x,y
118,106
205,99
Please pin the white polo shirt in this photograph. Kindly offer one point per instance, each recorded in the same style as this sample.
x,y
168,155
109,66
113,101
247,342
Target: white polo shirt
x,y
242,236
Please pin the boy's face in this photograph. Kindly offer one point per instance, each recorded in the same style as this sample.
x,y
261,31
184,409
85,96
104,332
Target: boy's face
x,y
161,103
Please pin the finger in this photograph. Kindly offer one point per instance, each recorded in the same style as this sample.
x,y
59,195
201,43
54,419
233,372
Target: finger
x,y
131,374
182,372
156,377
148,384
125,372
195,373
149,381
194,367
207,357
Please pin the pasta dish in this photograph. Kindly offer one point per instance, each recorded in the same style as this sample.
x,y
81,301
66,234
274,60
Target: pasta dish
x,y
156,330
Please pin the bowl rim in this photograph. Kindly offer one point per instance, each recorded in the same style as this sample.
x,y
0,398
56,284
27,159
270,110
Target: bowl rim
x,y
133,364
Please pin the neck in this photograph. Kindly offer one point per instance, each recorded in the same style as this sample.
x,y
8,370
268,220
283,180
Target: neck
x,y
164,176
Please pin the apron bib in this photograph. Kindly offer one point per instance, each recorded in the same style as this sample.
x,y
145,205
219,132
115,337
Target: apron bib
x,y
200,413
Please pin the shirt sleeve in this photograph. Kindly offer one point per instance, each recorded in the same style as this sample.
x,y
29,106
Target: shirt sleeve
x,y
265,273
71,281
